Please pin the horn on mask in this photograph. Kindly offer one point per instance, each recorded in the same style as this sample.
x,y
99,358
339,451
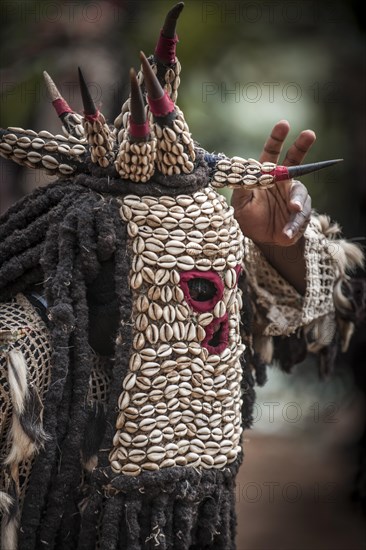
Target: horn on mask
x,y
168,67
249,173
72,123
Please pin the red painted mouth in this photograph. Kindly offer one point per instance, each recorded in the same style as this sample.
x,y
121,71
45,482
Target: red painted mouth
x,y
217,335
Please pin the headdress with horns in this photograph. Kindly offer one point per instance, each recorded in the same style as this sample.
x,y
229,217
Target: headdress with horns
x,y
150,133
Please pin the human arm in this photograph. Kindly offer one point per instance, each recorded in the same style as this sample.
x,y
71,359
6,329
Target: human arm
x,y
275,218
296,265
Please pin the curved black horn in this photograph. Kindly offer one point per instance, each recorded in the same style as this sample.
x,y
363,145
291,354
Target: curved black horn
x,y
295,171
165,50
170,24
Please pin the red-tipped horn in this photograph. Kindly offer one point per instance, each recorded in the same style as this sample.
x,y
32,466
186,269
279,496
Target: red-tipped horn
x,y
60,104
159,102
287,172
249,173
137,150
71,121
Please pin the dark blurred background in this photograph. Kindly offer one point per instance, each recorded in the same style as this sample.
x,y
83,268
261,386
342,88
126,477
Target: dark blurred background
x,y
246,65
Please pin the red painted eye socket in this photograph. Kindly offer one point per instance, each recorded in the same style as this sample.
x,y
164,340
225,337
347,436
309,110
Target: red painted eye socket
x,y
202,290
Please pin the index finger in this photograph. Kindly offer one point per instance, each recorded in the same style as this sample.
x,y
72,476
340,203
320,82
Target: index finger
x,y
273,146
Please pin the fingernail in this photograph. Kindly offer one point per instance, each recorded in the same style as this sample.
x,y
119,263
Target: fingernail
x,y
298,204
289,233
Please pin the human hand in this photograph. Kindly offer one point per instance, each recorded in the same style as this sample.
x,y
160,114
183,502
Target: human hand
x,y
280,214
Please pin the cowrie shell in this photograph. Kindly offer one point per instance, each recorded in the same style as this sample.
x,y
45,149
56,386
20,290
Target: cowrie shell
x,y
207,461
140,441
147,424
174,247
155,312
193,249
154,245
154,293
185,263
167,261
162,276
129,381
152,334
220,461
186,223
131,469
136,455
219,309
150,466
195,236
169,313
184,200
166,294
166,332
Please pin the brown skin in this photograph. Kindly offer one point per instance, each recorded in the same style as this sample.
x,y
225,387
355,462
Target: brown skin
x,y
276,218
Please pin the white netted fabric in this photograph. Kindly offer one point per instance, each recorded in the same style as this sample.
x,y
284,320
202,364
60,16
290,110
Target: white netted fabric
x,y
100,379
285,310
19,315
30,335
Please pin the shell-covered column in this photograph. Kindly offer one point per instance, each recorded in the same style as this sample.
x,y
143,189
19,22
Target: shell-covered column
x,y
180,402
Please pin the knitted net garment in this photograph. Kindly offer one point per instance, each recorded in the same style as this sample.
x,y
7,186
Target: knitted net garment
x,y
285,309
322,320
18,316
22,390
21,401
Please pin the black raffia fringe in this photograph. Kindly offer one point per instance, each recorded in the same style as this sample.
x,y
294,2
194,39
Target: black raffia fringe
x,y
180,508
